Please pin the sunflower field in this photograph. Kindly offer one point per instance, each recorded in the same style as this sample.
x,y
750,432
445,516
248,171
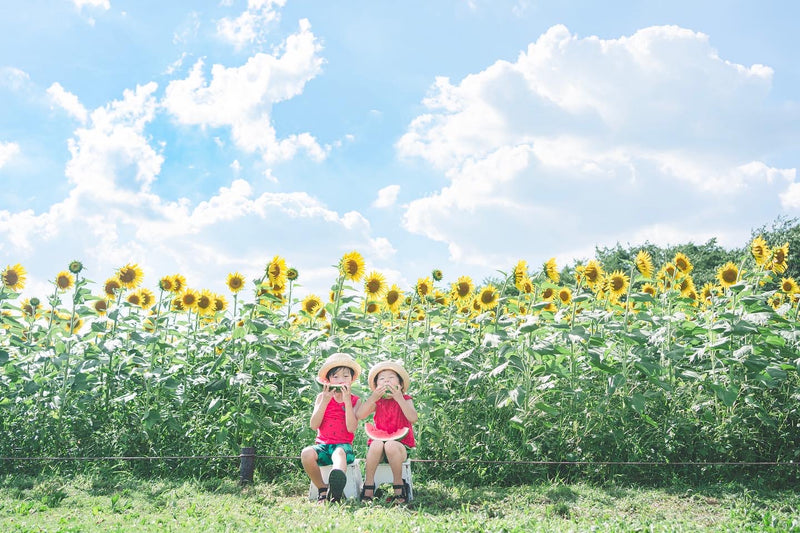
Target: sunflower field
x,y
635,364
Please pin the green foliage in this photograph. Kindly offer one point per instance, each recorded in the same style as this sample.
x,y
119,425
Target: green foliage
x,y
602,378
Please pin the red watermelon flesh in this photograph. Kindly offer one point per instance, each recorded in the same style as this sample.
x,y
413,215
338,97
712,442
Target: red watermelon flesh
x,y
379,434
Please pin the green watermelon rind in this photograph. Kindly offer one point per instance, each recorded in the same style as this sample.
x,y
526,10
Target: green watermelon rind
x,y
329,384
379,434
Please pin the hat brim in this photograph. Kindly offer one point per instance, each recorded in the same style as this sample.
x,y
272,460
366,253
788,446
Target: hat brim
x,y
338,360
388,365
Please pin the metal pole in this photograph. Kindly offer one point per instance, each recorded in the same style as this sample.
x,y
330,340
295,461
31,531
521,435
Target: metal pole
x,y
247,460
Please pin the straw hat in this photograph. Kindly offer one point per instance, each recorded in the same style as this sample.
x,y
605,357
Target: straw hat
x,y
339,359
388,365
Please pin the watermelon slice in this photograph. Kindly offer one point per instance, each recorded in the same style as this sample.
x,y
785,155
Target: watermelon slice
x,y
333,386
379,434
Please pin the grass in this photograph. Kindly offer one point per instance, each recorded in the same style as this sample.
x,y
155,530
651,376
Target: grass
x,y
120,502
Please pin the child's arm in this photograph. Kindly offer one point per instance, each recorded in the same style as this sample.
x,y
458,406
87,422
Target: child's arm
x,y
319,409
368,407
407,406
350,418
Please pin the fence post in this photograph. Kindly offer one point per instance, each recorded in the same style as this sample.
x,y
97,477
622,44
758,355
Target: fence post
x,y
247,460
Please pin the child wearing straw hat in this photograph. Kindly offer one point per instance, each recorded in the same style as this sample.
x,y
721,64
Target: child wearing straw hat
x,y
334,419
394,410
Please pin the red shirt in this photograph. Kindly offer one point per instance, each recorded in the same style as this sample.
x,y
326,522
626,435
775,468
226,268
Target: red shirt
x,y
333,429
389,417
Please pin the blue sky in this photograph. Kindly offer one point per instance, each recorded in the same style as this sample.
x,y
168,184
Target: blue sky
x,y
206,137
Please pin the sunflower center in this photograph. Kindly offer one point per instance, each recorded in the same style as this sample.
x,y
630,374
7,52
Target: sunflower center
x,y
351,267
729,275
487,297
63,282
392,297
373,285
127,275
236,283
463,289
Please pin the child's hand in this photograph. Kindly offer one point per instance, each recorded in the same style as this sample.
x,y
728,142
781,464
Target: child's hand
x,y
396,392
345,392
327,393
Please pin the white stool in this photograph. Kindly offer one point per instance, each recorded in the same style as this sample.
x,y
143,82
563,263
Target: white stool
x,y
354,481
384,475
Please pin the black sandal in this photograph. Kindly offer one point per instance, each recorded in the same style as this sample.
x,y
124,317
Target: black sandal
x,y
366,488
322,494
402,497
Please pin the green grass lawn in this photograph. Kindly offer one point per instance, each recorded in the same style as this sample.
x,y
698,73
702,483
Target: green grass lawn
x,y
119,502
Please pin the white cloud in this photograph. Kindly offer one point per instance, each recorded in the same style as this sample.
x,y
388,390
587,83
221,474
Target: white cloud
x,y
242,97
7,152
656,118
790,198
387,196
252,25
14,78
68,101
102,4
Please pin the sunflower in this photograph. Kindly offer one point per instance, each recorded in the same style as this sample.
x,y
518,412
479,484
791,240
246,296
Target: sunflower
x,y
565,296
235,282
526,286
686,286
111,287
371,307
177,304
579,277
130,276
100,307
189,300
393,298
75,267
649,288
73,325
64,280
440,298
462,289
166,284
760,250
14,277
682,263
779,256
548,293
644,263
276,270
728,274
292,274
375,285
30,307
789,285
551,270
311,304
437,274
220,303
352,266
520,272
205,302
488,298
708,292
134,299
147,298
617,283
424,286
277,289
775,301
178,283
592,272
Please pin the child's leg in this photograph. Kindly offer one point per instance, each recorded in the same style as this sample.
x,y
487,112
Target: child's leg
x,y
395,455
309,459
339,459
374,455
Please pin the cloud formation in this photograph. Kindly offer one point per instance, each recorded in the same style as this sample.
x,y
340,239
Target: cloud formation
x,y
242,97
528,144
